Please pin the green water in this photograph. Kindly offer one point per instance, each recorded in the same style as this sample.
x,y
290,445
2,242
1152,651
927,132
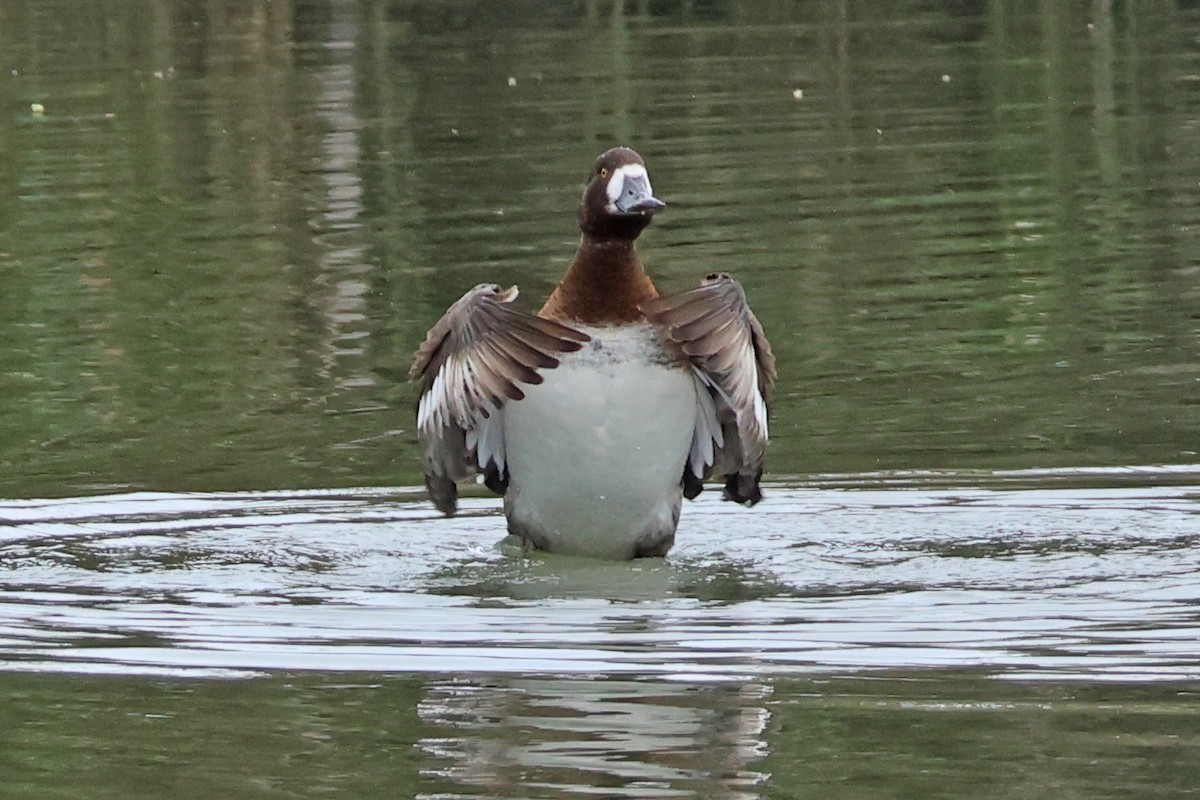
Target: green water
x,y
972,239
346,736
970,230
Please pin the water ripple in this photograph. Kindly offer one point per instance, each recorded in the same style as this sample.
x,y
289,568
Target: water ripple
x,y
1043,581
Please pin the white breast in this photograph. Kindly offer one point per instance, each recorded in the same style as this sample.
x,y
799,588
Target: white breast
x,y
596,452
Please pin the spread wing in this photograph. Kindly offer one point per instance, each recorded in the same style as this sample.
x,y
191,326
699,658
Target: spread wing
x,y
735,369
472,362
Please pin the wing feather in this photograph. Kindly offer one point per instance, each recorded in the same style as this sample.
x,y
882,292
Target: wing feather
x,y
715,329
522,351
473,361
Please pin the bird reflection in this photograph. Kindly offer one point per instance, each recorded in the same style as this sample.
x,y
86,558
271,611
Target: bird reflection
x,y
557,737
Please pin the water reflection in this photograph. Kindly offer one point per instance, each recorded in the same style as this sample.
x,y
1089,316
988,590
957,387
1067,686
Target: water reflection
x,y
344,261
966,229
369,736
718,578
515,737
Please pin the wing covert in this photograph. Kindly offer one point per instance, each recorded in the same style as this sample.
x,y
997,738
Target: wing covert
x,y
473,361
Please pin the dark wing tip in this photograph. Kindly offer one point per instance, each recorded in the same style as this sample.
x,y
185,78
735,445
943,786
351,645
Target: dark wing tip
x,y
443,492
743,488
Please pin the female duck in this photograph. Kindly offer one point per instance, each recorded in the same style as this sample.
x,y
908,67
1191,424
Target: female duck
x,y
597,416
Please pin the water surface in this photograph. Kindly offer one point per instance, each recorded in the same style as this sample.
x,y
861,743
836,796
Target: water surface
x,y
970,233
955,635
970,236
1067,583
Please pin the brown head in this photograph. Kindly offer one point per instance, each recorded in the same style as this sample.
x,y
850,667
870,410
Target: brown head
x,y
618,202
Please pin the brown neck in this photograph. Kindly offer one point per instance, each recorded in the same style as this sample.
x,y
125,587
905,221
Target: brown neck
x,y
604,285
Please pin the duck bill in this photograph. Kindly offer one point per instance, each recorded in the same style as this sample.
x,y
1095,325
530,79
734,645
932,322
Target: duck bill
x,y
630,192
648,203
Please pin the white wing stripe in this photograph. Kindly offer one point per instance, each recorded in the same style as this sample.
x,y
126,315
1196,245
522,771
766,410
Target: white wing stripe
x,y
707,436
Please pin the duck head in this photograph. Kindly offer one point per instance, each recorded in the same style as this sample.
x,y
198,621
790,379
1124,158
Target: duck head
x,y
618,202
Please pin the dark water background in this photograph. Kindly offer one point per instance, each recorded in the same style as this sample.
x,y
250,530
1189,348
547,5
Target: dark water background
x,y
970,230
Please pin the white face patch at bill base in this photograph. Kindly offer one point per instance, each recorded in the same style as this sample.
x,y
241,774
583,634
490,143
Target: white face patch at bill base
x,y
616,184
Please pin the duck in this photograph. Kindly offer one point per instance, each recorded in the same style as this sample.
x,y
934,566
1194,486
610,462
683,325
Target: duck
x,y
595,417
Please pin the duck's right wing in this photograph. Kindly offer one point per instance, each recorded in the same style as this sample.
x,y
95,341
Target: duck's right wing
x,y
720,336
471,363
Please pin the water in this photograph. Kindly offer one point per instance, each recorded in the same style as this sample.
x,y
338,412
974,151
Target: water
x,y
1070,584
969,232
900,620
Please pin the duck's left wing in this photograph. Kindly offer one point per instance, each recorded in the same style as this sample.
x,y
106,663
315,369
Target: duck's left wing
x,y
734,367
471,363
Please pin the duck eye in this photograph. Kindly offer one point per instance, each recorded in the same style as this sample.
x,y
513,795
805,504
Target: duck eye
x,y
604,172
